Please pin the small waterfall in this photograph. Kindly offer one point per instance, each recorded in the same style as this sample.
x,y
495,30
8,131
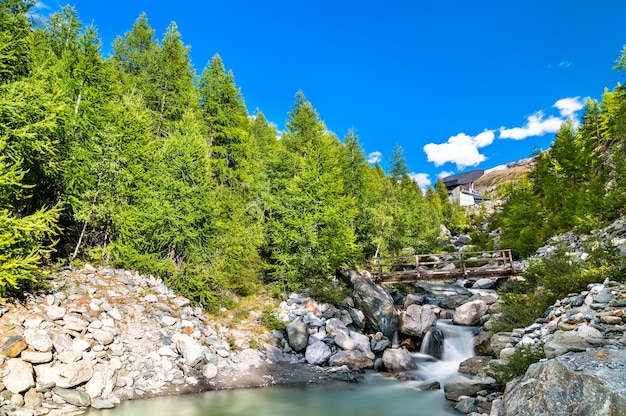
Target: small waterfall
x,y
456,346
433,343
395,339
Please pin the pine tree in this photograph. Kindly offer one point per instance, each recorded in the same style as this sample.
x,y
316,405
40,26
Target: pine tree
x,y
310,228
15,40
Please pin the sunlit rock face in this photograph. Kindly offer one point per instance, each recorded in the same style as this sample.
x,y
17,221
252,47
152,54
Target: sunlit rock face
x,y
583,383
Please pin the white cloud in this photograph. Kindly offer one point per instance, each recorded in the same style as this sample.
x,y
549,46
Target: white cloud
x,y
460,149
374,157
535,125
422,179
444,174
568,107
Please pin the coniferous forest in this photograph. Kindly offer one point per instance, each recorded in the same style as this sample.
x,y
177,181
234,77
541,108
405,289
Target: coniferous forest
x,y
139,161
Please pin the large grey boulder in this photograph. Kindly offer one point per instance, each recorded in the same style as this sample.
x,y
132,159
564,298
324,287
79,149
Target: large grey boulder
x,y
317,353
470,313
297,335
397,360
417,319
583,383
375,302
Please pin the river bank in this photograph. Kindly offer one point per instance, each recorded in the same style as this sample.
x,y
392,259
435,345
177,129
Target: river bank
x,y
103,336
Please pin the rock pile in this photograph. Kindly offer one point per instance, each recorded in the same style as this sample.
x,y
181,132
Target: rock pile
x,y
584,339
102,336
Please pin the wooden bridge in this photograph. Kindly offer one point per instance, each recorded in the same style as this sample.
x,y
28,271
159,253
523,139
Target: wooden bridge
x,y
444,266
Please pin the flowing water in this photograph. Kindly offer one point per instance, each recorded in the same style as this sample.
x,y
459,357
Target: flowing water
x,y
375,395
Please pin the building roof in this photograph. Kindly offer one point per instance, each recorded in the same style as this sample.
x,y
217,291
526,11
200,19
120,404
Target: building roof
x,y
462,178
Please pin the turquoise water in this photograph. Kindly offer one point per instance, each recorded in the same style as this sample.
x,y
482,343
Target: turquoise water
x,y
373,396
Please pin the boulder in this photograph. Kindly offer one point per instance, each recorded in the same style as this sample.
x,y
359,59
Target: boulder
x,y
276,355
188,347
297,335
13,346
102,381
35,357
470,313
209,371
583,383
73,396
482,343
500,341
562,342
413,299
362,343
344,341
19,377
474,365
397,360
375,302
457,386
417,320
317,353
55,313
433,343
484,284
351,359
38,340
73,374
453,301
103,336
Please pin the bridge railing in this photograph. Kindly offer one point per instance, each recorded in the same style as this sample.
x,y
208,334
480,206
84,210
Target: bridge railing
x,y
443,265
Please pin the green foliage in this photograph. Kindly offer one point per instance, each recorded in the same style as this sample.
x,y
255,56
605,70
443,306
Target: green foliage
x,y
269,318
15,40
520,307
516,364
24,241
549,279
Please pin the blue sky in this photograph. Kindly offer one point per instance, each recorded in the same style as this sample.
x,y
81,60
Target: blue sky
x,y
459,85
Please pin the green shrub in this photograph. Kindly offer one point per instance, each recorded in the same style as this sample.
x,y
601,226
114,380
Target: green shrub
x,y
270,319
517,364
520,310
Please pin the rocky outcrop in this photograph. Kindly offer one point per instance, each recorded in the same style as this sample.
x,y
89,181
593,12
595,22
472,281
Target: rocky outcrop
x,y
375,302
583,383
